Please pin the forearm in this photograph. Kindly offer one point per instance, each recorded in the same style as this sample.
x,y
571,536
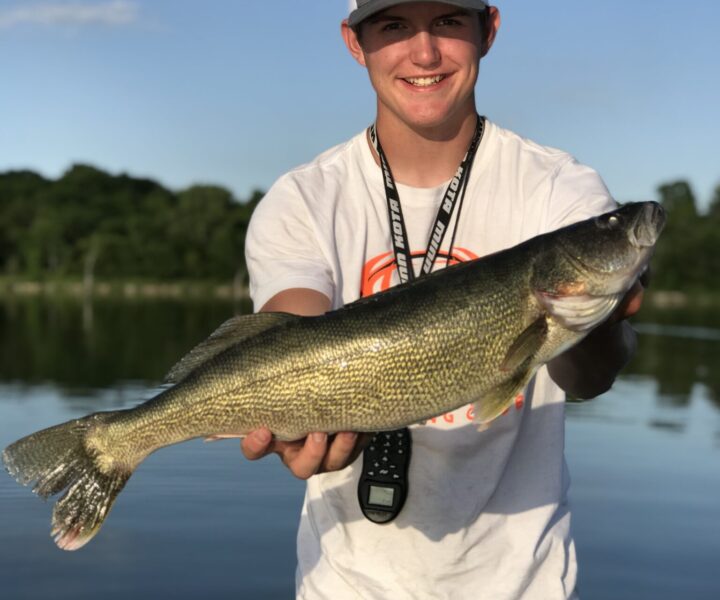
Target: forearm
x,y
590,368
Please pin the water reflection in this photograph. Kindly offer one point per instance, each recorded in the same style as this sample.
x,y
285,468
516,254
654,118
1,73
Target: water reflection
x,y
196,519
55,341
43,340
678,357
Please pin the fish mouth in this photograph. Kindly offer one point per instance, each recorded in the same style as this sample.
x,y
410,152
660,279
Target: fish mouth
x,y
648,224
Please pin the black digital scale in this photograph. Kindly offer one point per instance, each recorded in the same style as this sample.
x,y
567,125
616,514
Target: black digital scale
x,y
383,484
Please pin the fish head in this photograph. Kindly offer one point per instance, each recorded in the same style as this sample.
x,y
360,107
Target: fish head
x,y
585,269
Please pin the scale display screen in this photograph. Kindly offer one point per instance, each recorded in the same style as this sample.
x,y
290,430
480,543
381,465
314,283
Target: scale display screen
x,y
381,496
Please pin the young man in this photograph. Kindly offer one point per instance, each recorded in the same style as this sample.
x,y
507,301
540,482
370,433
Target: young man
x,y
486,515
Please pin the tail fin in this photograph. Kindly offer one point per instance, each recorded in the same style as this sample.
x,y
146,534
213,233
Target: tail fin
x,y
58,458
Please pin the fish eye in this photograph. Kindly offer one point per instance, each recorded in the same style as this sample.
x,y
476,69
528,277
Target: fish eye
x,y
611,221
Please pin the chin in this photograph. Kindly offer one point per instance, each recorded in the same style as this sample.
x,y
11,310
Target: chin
x,y
435,116
433,120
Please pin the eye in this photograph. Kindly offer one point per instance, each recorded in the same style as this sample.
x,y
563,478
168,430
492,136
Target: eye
x,y
448,22
607,221
392,26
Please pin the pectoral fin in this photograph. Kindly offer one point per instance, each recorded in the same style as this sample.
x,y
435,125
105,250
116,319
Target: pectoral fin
x,y
526,345
230,332
497,401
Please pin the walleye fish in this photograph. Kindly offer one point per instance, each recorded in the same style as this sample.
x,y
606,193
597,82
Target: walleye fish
x,y
474,332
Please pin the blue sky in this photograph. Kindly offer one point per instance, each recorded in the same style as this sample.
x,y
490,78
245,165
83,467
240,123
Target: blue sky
x,y
237,92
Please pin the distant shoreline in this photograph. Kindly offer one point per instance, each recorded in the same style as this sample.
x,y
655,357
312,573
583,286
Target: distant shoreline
x,y
126,289
671,299
197,289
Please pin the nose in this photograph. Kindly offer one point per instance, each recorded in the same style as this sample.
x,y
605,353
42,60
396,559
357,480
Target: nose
x,y
424,51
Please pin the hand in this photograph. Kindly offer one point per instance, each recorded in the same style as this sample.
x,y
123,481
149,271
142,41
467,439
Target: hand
x,y
632,301
629,305
589,368
314,454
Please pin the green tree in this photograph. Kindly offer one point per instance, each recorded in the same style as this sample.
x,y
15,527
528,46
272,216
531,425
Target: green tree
x,y
20,193
685,256
90,223
678,200
714,210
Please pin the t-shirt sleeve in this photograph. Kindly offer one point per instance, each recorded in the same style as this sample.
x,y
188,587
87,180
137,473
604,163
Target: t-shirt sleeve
x,y
282,250
577,193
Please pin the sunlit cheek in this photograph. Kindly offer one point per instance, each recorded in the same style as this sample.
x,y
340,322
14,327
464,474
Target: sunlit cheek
x,y
381,71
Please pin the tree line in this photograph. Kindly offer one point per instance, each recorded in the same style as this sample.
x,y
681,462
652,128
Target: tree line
x,y
89,222
687,256
117,226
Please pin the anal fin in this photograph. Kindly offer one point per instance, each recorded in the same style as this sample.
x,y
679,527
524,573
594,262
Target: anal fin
x,y
223,436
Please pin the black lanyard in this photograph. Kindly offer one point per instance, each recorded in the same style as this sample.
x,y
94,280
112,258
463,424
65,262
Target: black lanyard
x,y
453,195
383,482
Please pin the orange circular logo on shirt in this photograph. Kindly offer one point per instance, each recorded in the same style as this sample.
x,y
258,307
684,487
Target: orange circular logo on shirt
x,y
377,273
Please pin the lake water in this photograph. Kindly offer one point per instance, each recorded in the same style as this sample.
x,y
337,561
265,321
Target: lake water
x,y
196,519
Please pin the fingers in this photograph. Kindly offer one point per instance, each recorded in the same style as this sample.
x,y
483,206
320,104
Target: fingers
x,y
629,305
344,449
635,299
340,451
632,301
257,444
304,459
362,442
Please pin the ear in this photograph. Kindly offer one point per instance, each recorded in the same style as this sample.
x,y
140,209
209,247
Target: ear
x,y
352,42
493,24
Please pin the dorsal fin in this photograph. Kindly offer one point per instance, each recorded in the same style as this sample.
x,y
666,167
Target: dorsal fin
x,y
230,332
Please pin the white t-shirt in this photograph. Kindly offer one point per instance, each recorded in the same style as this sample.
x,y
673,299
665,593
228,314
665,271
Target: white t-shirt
x,y
486,515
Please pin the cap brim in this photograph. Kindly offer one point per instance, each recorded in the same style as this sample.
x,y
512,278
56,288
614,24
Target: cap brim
x,y
366,10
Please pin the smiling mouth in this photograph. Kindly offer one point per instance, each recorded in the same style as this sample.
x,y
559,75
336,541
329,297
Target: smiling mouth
x,y
424,81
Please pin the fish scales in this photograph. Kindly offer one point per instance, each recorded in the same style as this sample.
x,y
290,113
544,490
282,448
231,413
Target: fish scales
x,y
474,332
360,374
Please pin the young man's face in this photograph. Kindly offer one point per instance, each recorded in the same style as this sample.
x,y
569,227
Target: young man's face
x,y
422,58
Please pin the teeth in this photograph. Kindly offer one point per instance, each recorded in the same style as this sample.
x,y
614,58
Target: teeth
x,y
424,81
